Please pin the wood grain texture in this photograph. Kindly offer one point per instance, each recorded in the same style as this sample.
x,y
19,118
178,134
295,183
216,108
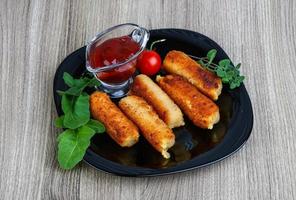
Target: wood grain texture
x,y
35,36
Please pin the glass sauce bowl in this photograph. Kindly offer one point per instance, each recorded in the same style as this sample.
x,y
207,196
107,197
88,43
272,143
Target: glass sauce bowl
x,y
112,57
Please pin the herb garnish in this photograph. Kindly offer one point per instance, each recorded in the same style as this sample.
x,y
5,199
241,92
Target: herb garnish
x,y
225,70
74,141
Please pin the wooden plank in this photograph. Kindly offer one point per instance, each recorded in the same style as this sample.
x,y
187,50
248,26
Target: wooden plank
x,y
35,36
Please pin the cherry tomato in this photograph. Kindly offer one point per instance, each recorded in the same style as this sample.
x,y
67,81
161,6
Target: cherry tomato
x,y
149,62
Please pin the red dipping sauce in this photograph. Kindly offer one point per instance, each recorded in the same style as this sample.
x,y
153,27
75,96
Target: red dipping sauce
x,y
113,51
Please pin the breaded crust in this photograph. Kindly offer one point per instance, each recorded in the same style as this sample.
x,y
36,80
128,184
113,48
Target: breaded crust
x,y
177,62
167,110
200,109
118,126
156,132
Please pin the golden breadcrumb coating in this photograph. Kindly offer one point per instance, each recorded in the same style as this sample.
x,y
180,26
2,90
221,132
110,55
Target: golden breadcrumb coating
x,y
156,132
118,126
167,110
177,62
203,112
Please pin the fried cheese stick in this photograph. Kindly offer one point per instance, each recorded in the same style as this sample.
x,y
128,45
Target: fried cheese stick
x,y
118,126
156,132
200,109
177,62
167,110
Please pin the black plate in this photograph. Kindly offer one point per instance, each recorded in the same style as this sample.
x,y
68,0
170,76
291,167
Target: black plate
x,y
194,147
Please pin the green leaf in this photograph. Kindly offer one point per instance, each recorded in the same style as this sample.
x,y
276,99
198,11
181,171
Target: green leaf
x,y
224,63
65,133
78,114
238,66
67,103
93,82
230,73
73,145
97,126
81,83
221,73
59,122
77,85
69,80
74,91
235,71
241,79
234,85
225,80
85,134
211,55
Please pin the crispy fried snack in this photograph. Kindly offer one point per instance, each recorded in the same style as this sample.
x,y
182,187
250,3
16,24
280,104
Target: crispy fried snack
x,y
177,62
200,109
118,126
156,132
167,110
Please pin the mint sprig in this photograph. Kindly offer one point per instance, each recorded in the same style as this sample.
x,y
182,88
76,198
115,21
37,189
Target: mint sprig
x,y
74,141
228,73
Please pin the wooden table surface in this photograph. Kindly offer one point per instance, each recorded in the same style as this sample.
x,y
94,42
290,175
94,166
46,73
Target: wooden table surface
x,y
35,36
